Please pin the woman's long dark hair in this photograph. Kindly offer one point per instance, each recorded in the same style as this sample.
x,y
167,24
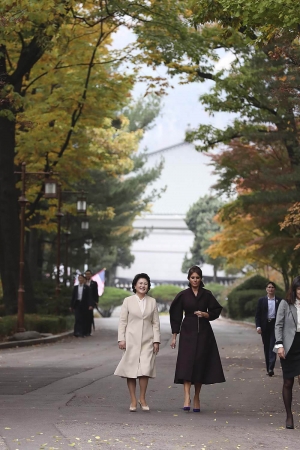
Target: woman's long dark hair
x,y
292,292
136,279
195,269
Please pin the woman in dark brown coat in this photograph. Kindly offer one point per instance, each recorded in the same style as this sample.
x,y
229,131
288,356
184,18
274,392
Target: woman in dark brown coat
x,y
198,360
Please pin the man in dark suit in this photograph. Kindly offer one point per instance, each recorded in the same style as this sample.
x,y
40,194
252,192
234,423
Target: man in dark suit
x,y
93,285
265,318
81,304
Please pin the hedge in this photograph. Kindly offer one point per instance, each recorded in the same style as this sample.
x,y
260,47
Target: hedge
x,y
48,303
165,293
35,322
111,298
242,300
215,288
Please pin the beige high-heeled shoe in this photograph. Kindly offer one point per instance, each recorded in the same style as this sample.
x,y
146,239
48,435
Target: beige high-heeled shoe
x,y
132,408
144,408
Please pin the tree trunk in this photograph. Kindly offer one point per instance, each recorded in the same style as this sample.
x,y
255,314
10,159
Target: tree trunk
x,y
215,274
9,217
286,279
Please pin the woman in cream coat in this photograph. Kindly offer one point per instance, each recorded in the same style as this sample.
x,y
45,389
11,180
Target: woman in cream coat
x,y
139,336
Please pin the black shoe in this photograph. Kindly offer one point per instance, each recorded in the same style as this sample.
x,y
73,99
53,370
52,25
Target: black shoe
x,y
289,426
271,373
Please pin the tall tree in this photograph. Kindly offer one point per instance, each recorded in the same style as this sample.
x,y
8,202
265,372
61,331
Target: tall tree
x,y
115,193
261,178
58,79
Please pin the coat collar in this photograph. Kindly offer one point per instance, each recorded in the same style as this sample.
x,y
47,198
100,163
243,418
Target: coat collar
x,y
138,306
293,310
277,300
199,295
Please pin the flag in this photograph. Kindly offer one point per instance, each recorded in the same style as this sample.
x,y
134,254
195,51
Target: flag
x,y
99,277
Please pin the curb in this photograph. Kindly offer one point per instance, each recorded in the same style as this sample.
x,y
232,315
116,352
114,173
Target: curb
x,y
28,342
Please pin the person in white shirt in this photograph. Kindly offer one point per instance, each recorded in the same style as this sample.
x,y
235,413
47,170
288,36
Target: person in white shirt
x,y
265,324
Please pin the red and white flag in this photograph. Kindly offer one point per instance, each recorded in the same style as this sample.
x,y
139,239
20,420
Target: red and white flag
x,y
99,277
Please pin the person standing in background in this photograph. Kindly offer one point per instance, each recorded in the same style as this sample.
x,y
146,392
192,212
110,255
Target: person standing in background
x,y
93,285
81,304
265,318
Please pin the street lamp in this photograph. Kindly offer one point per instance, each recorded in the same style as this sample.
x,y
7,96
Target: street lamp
x,y
85,225
50,188
81,204
23,202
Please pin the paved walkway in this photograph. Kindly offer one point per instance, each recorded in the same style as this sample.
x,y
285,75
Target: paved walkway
x,y
64,395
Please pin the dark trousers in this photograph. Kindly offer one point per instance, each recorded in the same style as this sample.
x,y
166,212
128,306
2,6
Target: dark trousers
x,y
90,321
81,319
268,338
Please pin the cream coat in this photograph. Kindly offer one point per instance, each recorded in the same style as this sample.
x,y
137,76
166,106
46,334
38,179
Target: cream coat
x,y
139,331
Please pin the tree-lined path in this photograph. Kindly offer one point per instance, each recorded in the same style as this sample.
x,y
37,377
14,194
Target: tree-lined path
x,y
65,395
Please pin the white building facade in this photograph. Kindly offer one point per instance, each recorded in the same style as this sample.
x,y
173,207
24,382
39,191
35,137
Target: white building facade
x,y
186,176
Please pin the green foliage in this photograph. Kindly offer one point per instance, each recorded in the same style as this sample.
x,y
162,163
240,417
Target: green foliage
x,y
143,112
242,300
165,293
47,301
216,289
111,298
111,234
264,16
35,322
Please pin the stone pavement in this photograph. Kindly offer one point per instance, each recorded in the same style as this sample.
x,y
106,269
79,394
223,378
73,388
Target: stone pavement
x,y
64,395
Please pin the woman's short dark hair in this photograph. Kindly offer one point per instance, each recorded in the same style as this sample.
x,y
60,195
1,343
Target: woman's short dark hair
x,y
137,278
195,269
292,292
272,283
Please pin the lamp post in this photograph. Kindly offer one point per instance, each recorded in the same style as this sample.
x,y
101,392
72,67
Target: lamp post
x,y
50,185
22,202
67,234
85,225
81,206
59,215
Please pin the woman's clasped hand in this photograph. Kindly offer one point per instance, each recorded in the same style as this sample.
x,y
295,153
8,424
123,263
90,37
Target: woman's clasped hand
x,y
203,314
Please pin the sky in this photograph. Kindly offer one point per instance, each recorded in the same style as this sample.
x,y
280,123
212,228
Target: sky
x,y
181,109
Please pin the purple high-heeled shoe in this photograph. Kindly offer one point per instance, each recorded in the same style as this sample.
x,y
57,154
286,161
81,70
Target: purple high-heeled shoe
x,y
187,408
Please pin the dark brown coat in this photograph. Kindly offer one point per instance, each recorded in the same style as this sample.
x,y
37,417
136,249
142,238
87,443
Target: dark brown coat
x,y
198,358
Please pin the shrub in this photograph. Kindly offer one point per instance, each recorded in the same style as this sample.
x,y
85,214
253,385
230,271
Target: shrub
x,y
48,303
35,322
111,298
215,288
242,300
164,295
